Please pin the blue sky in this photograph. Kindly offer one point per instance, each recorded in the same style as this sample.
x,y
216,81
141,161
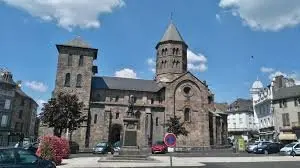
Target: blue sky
x,y
222,36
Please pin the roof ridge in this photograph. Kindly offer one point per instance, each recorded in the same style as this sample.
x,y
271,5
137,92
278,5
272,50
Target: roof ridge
x,y
123,78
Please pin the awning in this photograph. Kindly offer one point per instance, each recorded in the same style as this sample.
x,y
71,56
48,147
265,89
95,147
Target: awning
x,y
289,136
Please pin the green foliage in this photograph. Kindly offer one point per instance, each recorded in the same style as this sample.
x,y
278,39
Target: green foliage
x,y
63,112
174,126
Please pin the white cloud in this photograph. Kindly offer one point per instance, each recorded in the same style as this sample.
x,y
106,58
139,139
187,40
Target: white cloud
x,y
40,102
196,62
36,86
198,67
151,63
68,13
265,15
126,73
293,75
218,17
266,69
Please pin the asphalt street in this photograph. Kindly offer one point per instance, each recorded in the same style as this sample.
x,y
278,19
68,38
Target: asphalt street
x,y
198,154
246,165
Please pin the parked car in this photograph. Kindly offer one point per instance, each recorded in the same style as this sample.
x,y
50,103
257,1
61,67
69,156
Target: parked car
x,y
116,147
22,158
101,148
292,149
261,144
269,148
104,148
159,147
250,147
32,147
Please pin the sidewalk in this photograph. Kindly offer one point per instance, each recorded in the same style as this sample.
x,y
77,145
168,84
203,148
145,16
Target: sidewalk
x,y
163,161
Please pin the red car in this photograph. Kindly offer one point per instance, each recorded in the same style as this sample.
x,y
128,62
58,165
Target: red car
x,y
159,147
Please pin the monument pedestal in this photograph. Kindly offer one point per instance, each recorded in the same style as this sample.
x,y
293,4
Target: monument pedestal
x,y
130,150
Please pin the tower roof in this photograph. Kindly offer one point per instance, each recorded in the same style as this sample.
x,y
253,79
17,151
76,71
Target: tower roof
x,y
78,42
172,34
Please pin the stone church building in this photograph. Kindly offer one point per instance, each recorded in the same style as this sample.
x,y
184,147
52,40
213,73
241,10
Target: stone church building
x,y
175,91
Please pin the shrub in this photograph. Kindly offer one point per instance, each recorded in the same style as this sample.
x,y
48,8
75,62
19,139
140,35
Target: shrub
x,y
65,148
52,148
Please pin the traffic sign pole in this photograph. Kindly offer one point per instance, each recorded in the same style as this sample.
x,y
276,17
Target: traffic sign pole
x,y
170,141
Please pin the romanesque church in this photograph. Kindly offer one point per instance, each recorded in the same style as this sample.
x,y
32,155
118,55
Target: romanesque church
x,y
175,91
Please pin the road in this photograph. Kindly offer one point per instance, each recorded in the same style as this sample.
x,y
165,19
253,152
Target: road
x,y
245,165
191,162
198,154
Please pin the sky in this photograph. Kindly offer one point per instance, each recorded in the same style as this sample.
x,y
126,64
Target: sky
x,y
231,43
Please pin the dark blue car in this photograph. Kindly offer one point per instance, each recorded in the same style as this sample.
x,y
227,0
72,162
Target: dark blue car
x,y
22,158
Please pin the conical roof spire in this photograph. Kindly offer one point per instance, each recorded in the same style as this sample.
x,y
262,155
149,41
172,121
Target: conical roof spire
x,y
172,34
78,42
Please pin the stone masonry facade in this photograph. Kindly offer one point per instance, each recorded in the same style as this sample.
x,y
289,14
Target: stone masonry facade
x,y
175,91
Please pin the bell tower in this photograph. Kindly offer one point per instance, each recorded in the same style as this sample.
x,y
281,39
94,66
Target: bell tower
x,y
171,57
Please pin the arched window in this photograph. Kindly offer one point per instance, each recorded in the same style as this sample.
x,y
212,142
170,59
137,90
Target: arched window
x,y
80,63
174,51
166,51
187,114
177,50
78,80
117,115
156,121
67,80
95,118
70,60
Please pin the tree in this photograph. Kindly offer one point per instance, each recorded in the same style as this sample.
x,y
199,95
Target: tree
x,y
174,126
62,113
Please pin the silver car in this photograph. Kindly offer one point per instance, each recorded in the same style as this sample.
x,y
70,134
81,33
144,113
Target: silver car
x,y
292,149
251,147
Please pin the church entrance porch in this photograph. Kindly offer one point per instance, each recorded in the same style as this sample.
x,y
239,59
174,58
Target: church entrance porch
x,y
115,133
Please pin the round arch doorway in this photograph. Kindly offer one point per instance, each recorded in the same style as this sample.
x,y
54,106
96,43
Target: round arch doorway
x,y
115,134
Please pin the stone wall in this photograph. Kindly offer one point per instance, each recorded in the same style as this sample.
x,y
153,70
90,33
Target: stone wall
x,y
197,101
83,91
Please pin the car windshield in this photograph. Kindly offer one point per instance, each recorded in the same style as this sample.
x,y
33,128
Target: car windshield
x,y
290,145
101,145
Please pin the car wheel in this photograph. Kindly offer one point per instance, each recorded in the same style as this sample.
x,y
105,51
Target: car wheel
x,y
152,152
112,152
293,153
266,152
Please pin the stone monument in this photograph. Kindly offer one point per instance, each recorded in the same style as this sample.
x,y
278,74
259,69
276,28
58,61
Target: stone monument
x,y
129,146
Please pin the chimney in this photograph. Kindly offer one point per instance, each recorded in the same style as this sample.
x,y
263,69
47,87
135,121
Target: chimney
x,y
279,82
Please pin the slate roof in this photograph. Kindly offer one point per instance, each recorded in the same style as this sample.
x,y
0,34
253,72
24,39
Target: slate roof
x,y
242,104
78,42
172,34
221,106
105,82
288,92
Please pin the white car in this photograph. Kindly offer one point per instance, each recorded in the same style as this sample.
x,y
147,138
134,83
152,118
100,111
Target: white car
x,y
292,149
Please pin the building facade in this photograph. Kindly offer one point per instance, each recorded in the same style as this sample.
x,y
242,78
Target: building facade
x,y
263,110
241,119
277,109
16,109
286,106
175,91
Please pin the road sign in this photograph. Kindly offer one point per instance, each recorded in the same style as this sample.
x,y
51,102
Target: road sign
x,y
170,139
